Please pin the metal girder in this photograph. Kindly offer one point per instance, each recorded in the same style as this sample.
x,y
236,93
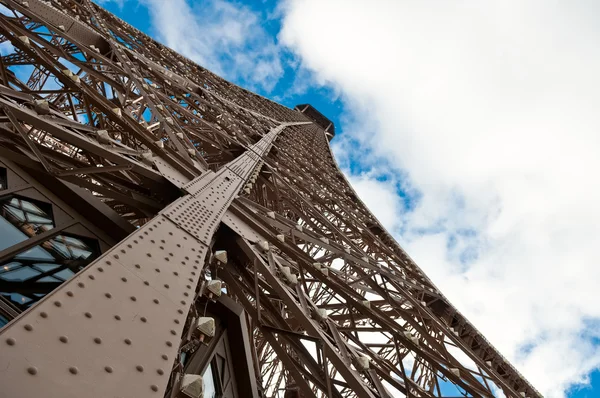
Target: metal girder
x,y
404,293
127,309
336,307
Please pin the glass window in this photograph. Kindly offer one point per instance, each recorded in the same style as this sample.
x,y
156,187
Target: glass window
x,y
10,235
17,298
3,185
32,274
65,274
50,279
22,218
35,253
46,267
19,274
208,379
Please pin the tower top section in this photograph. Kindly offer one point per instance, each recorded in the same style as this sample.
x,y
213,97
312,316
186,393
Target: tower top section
x,y
312,113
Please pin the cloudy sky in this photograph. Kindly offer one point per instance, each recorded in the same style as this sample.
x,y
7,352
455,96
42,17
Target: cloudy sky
x,y
470,128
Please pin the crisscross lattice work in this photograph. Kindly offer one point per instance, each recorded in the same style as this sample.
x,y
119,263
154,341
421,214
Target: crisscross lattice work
x,y
335,306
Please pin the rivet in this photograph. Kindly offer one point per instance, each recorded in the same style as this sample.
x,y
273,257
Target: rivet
x,y
146,283
175,273
138,266
70,293
108,369
97,340
117,317
92,277
176,321
32,370
169,344
108,263
100,269
166,286
148,254
182,302
73,370
88,315
186,294
157,270
143,319
132,298
124,279
156,301
160,372
180,311
139,368
28,327
174,333
164,356
10,341
116,256
127,341
81,285
63,339
154,387
43,314
108,295
57,303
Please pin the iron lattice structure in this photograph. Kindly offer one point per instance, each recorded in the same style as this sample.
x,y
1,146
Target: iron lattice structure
x,y
216,184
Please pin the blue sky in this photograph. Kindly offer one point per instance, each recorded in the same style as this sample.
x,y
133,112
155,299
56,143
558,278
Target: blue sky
x,y
471,131
284,91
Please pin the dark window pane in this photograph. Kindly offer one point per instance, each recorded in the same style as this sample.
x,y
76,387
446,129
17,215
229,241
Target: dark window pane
x,y
22,218
3,185
34,273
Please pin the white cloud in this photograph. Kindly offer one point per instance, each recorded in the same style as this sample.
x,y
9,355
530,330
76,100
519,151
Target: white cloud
x,y
490,110
224,37
380,197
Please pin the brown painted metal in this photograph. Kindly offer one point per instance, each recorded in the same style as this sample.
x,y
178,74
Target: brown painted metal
x,y
134,134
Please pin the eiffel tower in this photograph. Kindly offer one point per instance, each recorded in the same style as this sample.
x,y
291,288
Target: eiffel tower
x,y
166,233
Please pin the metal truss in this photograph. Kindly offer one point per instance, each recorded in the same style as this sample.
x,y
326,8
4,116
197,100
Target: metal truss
x,y
223,185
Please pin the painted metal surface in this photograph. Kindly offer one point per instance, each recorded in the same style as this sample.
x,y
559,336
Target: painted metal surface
x,y
115,329
333,305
